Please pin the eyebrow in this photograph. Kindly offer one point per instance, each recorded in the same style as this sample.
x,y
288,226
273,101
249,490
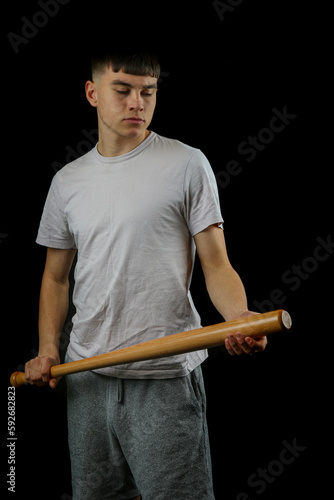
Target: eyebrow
x,y
126,84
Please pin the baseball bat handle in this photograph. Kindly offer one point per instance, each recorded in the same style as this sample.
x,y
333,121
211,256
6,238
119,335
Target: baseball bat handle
x,y
178,343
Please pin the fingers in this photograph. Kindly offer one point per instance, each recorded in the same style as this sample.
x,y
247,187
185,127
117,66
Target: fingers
x,y
238,344
37,371
34,372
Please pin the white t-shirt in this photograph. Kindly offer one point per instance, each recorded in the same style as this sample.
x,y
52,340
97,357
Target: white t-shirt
x,y
132,219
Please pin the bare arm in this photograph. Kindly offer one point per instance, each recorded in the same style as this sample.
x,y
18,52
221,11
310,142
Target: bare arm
x,y
53,309
225,287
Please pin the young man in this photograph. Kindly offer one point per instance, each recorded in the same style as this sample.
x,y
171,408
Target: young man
x,y
133,210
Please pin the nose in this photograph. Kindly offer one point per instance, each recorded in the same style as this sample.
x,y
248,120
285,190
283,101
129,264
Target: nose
x,y
136,102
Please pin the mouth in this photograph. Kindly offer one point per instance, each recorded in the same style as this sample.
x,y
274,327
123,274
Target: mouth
x,y
135,120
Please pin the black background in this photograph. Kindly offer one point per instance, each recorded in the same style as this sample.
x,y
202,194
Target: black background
x,y
222,77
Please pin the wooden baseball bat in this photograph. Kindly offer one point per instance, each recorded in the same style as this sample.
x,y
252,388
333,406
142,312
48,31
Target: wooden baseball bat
x,y
177,343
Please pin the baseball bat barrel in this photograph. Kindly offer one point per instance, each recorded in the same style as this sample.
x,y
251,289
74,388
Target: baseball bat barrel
x,y
177,343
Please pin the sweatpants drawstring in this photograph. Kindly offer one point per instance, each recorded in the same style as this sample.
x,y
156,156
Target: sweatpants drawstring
x,y
120,390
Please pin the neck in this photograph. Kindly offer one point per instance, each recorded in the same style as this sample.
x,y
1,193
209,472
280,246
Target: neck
x,y
110,147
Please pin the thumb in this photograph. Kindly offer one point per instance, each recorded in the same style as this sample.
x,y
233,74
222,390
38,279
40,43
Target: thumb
x,y
54,382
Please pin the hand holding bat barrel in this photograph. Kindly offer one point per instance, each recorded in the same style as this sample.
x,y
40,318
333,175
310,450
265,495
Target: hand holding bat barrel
x,y
177,343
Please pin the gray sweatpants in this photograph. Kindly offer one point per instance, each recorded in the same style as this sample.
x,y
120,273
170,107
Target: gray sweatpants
x,y
131,437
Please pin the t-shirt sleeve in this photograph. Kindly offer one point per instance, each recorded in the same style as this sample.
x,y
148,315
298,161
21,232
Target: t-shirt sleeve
x,y
53,229
202,207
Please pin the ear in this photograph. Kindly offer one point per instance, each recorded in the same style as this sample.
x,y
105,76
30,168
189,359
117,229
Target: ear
x,y
90,89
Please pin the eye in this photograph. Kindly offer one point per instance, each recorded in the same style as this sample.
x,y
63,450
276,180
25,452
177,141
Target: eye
x,y
122,92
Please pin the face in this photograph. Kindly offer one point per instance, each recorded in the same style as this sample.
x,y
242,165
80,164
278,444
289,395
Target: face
x,y
125,103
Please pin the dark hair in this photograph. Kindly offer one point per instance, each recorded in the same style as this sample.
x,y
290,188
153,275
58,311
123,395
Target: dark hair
x,y
138,61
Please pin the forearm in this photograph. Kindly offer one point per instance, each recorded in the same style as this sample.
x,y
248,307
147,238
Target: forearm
x,y
53,310
225,287
226,292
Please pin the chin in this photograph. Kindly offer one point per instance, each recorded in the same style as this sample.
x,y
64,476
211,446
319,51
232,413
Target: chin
x,y
135,133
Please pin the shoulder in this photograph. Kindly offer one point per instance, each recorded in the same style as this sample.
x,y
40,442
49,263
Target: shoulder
x,y
74,169
189,161
175,147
